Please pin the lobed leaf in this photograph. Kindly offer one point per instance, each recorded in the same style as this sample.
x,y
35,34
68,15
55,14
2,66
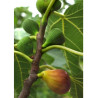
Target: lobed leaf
x,y
21,72
71,24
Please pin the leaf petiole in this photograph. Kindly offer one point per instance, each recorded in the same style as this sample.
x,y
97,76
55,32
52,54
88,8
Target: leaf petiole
x,y
63,48
24,55
33,37
47,66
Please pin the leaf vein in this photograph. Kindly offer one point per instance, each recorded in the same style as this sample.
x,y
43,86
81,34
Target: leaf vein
x,y
55,23
20,70
74,12
73,44
74,25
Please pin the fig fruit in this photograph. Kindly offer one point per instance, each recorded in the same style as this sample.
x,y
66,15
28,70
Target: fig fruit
x,y
57,5
25,45
55,37
30,26
43,4
57,80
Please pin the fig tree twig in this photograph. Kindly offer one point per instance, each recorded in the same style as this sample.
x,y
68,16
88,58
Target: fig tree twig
x,y
35,65
63,48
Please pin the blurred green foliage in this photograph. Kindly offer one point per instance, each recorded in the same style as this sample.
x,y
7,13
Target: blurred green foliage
x,y
20,14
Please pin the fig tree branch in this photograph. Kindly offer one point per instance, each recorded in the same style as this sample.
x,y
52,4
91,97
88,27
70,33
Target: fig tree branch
x,y
63,48
35,65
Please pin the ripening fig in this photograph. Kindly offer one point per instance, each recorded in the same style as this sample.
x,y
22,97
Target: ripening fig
x,y
43,4
55,37
25,45
30,26
57,80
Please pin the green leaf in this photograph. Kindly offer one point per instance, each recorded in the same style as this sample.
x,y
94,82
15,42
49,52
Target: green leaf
x,y
19,33
15,94
74,36
21,13
21,72
55,58
58,56
77,1
77,87
71,24
47,59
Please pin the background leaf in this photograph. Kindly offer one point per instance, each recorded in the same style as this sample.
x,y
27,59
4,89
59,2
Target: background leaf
x,y
19,33
77,1
37,19
21,72
55,58
20,14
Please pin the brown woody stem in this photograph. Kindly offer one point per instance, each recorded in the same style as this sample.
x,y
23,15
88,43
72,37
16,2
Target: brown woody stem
x,y
35,65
